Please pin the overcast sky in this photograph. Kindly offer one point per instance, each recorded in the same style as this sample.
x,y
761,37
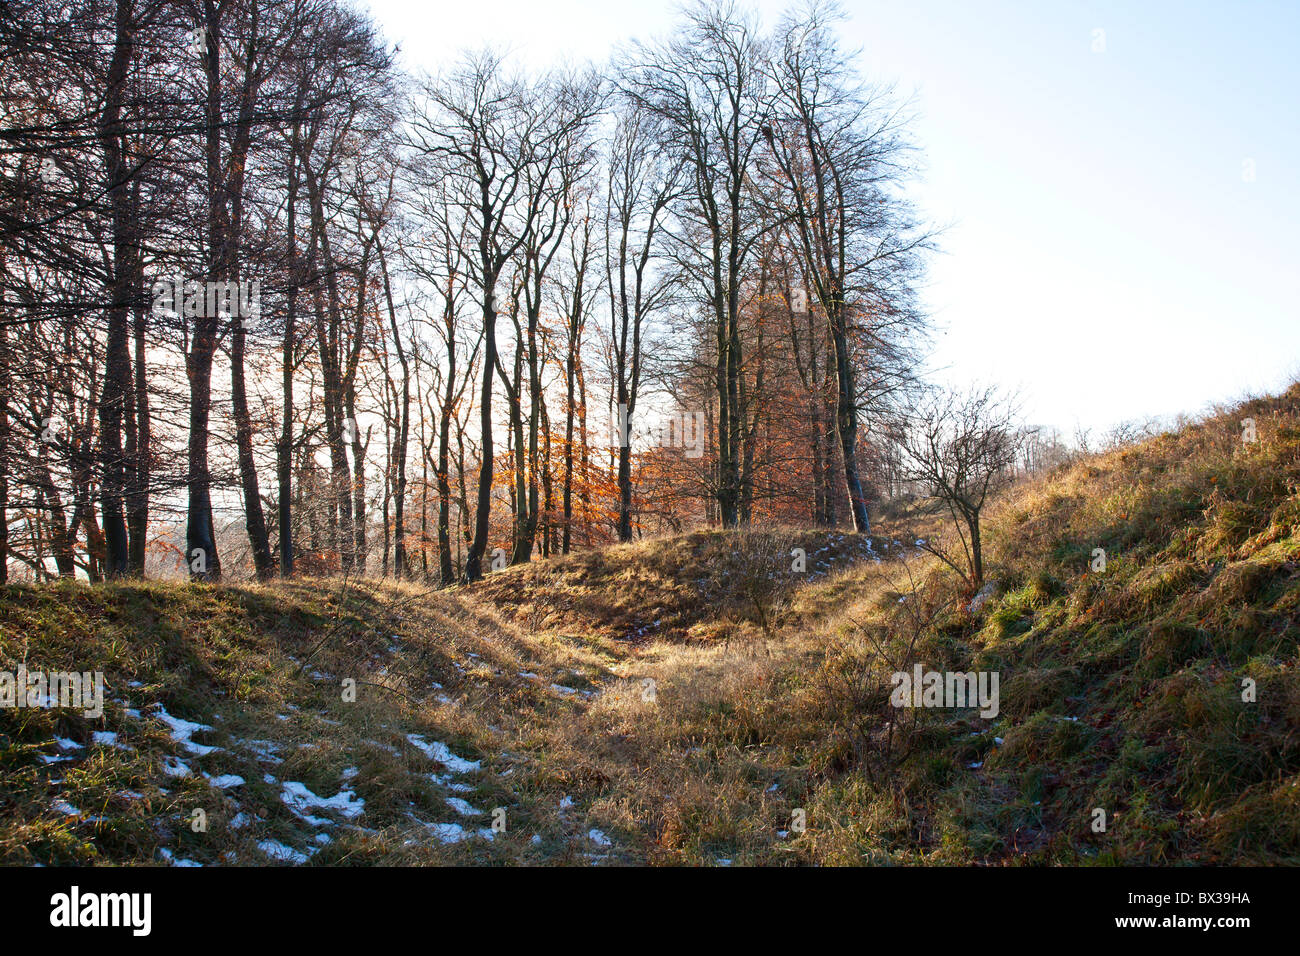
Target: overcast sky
x,y
1119,179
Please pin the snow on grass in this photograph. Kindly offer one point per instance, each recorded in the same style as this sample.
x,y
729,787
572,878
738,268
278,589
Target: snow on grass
x,y
299,799
225,781
277,851
454,832
175,767
182,730
444,780
174,860
463,807
266,751
440,752
598,837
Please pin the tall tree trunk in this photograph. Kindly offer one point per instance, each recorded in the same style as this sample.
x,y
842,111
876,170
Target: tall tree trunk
x,y
404,428
332,374
846,419
200,535
483,505
117,360
254,518
284,449
445,572
358,482
5,382
140,476
570,412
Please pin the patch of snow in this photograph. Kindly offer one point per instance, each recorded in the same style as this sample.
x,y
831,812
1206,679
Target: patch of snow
x,y
106,738
440,752
175,767
264,750
463,807
454,832
598,837
182,730
225,781
174,860
444,780
277,851
299,799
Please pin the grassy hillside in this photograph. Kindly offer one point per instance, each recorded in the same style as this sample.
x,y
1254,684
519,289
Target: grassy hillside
x,y
694,699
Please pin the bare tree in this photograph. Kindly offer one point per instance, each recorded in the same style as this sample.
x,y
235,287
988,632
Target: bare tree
x,y
708,89
641,183
961,448
499,139
838,148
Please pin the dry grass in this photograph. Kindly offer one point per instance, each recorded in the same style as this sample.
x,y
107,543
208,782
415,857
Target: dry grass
x,y
695,698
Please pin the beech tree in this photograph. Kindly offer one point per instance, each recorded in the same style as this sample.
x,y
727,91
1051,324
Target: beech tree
x,y
837,146
486,251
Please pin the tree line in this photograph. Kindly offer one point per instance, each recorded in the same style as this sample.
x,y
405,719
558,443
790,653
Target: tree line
x,y
271,305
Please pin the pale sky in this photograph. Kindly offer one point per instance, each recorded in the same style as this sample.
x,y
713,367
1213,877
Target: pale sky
x,y
1122,205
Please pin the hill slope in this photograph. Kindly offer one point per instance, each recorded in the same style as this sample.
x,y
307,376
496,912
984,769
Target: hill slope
x,y
698,700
